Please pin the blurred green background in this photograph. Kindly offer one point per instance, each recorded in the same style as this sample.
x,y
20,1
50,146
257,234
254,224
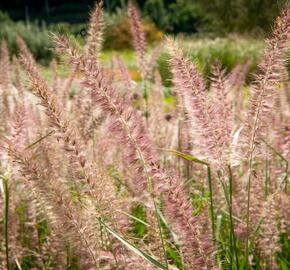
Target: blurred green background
x,y
188,16
230,31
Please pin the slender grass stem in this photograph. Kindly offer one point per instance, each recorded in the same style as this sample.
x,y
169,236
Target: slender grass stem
x,y
248,210
231,216
285,179
40,139
179,145
160,233
145,96
150,189
211,200
6,192
267,177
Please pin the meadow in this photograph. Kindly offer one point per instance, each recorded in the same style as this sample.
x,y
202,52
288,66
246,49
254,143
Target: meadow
x,y
162,153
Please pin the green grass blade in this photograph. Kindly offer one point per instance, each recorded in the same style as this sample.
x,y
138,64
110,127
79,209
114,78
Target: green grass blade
x,y
274,150
173,234
6,213
185,156
209,178
18,264
135,249
285,179
231,217
135,218
40,139
160,233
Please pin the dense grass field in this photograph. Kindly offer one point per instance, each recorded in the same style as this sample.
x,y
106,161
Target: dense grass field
x,y
170,155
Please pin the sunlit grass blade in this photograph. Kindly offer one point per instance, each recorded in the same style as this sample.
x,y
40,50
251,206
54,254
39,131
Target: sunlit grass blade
x,y
173,234
135,218
185,156
133,248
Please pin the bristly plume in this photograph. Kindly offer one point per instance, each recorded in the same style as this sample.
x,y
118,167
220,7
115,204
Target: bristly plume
x,y
24,49
152,61
124,123
55,84
5,80
54,111
196,245
237,76
222,124
237,79
95,33
125,75
56,202
190,87
139,39
18,79
266,82
19,127
188,82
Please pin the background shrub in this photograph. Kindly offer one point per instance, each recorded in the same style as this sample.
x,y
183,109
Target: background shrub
x,y
206,51
118,34
36,37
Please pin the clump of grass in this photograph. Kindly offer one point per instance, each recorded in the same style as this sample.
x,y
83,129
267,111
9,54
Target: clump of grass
x,y
109,171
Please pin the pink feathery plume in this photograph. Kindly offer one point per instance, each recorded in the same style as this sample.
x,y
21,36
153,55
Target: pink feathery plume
x,y
158,81
53,110
19,127
5,66
55,84
126,78
139,39
222,124
95,33
125,123
5,80
267,79
191,91
18,80
196,245
152,61
65,219
24,49
237,78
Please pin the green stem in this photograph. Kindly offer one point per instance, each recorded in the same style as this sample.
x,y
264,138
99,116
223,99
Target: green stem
x,y
231,216
267,177
6,190
179,146
145,96
285,180
40,139
248,210
160,233
211,200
